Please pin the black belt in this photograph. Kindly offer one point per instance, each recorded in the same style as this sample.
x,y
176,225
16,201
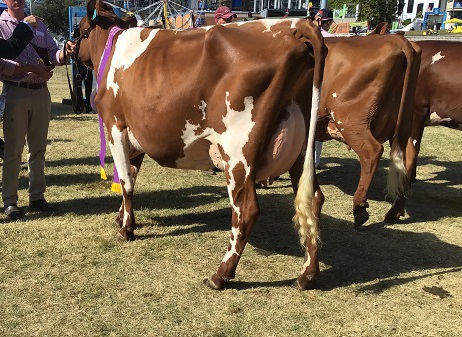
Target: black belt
x,y
27,85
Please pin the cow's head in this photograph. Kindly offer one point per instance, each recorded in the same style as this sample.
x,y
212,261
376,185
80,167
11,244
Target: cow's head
x,y
100,15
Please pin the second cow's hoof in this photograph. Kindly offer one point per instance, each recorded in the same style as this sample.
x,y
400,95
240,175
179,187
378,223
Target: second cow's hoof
x,y
393,216
305,282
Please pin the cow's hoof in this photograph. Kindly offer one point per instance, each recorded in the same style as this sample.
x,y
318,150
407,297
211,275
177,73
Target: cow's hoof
x,y
216,283
361,214
393,216
126,234
305,282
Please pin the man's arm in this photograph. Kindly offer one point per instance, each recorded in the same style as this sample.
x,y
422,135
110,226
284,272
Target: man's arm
x,y
12,47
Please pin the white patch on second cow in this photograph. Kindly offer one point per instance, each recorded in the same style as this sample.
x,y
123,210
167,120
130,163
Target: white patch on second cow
x,y
127,49
332,115
437,57
202,108
334,95
236,232
435,119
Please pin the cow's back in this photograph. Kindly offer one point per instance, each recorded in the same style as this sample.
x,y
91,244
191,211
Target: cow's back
x,y
365,75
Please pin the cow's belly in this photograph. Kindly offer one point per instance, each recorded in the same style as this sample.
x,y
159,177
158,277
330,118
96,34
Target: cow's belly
x,y
285,146
283,149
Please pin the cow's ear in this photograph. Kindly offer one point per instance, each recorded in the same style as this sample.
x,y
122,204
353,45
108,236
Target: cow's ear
x,y
90,8
93,9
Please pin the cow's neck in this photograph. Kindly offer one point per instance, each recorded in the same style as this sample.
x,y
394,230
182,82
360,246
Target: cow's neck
x,y
106,52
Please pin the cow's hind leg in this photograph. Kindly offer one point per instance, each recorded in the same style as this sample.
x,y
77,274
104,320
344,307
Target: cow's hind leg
x,y
120,152
401,170
135,164
369,151
245,211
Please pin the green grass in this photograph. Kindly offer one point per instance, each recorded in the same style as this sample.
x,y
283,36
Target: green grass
x,y
67,275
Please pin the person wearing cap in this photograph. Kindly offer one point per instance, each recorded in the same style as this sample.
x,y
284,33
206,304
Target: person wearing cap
x,y
325,19
224,15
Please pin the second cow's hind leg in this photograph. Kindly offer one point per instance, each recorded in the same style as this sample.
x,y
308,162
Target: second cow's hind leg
x,y
369,154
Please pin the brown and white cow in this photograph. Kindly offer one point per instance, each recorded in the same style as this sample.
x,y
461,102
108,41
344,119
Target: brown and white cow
x,y
437,100
366,100
249,89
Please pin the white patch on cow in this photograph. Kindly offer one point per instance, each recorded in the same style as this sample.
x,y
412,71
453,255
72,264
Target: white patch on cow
x,y
118,150
269,23
127,49
189,134
126,217
437,57
202,108
342,130
134,141
414,142
236,232
334,95
238,125
307,262
339,122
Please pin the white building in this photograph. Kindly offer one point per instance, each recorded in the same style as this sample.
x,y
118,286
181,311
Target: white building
x,y
452,8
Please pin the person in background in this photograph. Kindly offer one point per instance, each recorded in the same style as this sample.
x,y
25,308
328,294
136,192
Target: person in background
x,y
224,15
27,111
82,75
325,19
13,46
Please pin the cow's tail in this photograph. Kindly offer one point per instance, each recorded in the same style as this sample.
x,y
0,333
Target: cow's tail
x,y
398,178
304,218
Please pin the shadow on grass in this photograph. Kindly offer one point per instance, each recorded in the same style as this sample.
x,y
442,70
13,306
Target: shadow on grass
x,y
375,252
351,256
442,189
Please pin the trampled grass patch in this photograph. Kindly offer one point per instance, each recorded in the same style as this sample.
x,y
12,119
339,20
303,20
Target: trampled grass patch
x,y
67,275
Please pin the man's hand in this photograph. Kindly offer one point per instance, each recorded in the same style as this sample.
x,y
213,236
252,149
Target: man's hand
x,y
42,70
32,20
71,47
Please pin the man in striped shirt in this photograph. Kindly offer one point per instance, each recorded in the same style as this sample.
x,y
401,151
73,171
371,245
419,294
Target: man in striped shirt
x,y
27,111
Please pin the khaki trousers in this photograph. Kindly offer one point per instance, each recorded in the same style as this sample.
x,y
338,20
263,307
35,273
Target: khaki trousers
x,y
25,121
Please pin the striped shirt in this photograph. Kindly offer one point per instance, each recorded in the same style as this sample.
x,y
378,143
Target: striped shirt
x,y
41,39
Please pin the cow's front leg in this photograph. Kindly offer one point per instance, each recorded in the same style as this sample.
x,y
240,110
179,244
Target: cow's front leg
x,y
245,211
135,164
120,152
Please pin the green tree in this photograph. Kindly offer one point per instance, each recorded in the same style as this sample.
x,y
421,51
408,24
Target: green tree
x,y
374,11
55,13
